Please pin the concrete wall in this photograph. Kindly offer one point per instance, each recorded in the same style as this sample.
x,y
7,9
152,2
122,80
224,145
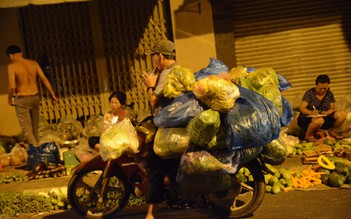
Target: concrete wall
x,y
193,33
9,34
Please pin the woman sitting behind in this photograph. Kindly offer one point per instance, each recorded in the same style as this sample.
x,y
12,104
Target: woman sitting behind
x,y
317,110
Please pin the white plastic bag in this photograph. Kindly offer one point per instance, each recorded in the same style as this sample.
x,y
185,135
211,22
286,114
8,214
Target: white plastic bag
x,y
118,139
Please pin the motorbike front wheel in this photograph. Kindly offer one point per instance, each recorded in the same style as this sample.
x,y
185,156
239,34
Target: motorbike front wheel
x,y
84,194
250,181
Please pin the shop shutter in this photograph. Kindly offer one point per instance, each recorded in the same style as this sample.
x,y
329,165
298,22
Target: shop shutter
x,y
299,39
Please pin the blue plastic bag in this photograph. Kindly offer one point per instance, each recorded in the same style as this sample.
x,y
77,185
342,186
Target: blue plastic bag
x,y
47,152
215,67
179,112
288,113
284,84
252,122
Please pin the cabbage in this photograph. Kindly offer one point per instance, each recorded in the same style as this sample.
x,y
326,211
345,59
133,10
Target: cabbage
x,y
237,73
275,152
217,93
179,80
265,82
203,127
171,142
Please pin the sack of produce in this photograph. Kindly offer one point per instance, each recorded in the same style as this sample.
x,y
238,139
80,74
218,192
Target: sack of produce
x,y
179,80
345,128
283,82
203,127
47,152
119,138
288,113
66,130
215,67
70,127
50,134
218,142
19,152
202,162
217,93
94,126
171,142
265,82
179,112
249,154
238,73
275,152
252,122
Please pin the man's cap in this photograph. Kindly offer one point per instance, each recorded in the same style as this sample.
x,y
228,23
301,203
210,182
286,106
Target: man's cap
x,y
165,47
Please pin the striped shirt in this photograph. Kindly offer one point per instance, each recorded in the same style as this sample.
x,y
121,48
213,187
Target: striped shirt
x,y
321,105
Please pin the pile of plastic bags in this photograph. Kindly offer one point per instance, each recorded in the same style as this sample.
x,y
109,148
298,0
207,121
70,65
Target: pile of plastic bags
x,y
220,119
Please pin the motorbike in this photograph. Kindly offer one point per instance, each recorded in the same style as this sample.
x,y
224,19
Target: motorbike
x,y
101,189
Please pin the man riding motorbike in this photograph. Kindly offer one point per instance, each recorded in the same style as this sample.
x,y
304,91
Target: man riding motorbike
x,y
163,57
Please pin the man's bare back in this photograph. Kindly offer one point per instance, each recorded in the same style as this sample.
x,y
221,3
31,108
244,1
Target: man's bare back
x,y
25,73
23,77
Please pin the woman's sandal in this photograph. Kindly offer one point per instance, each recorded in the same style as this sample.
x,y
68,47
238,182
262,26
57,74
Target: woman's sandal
x,y
338,137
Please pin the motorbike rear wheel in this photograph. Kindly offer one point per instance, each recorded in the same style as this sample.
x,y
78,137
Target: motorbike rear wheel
x,y
84,191
250,197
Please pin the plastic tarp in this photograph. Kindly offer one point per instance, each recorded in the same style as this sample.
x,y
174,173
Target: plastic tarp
x,y
252,122
179,112
215,67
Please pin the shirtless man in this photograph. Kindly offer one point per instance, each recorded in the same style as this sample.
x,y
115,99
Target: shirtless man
x,y
23,86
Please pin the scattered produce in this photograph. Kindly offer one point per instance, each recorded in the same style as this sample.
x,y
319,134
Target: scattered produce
x,y
135,201
338,176
57,197
325,162
15,203
280,180
336,179
45,170
13,178
308,178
